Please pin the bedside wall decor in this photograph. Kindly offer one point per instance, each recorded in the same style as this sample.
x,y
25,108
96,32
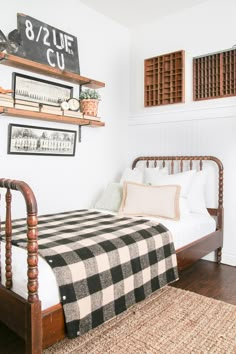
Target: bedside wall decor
x,y
214,75
30,140
164,79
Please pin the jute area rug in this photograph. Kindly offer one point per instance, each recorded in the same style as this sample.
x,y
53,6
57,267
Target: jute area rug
x,y
169,321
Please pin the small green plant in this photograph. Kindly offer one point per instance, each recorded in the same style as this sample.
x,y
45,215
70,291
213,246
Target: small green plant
x,y
89,94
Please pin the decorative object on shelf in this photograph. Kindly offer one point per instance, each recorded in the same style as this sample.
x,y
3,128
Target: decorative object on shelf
x,y
29,140
214,75
70,104
3,41
48,45
64,105
11,44
14,42
15,37
32,89
73,104
164,79
89,100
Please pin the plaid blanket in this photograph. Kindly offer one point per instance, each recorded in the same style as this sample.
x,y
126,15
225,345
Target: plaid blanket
x,y
103,263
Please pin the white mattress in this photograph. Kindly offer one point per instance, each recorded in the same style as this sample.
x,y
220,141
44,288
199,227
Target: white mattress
x,y
188,229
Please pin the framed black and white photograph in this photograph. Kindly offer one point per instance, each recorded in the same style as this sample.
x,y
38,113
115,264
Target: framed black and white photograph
x,y
28,88
29,140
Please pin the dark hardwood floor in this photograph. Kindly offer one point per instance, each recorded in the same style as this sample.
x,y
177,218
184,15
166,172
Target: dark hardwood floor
x,y
217,281
210,279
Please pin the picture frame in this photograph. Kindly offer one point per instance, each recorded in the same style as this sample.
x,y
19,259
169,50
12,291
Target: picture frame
x,y
32,89
33,140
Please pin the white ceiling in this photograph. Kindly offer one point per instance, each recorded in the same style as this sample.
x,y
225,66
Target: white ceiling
x,y
131,13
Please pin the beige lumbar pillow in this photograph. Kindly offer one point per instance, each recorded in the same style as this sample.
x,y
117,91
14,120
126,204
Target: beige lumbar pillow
x,y
146,200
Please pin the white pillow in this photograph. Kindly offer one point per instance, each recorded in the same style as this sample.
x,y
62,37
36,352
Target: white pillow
x,y
183,206
196,196
129,175
111,198
184,179
152,173
144,200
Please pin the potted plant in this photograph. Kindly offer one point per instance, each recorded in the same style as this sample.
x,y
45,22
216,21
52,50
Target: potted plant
x,y
89,102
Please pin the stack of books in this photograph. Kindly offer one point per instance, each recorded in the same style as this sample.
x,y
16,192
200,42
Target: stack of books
x,y
51,109
26,105
6,100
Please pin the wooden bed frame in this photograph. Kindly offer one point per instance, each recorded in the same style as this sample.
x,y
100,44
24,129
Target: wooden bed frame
x,y
41,329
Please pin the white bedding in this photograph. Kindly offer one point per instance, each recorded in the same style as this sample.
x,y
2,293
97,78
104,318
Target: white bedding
x,y
188,229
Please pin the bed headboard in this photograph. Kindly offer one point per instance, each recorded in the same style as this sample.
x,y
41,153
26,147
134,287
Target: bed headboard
x,y
181,163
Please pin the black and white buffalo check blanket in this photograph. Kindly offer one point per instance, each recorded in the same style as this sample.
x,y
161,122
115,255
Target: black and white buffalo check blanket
x,y
103,263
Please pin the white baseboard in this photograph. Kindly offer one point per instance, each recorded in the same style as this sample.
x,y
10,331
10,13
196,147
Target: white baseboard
x,y
227,258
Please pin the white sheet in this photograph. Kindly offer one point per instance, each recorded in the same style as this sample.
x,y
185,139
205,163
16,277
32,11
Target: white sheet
x,y
188,229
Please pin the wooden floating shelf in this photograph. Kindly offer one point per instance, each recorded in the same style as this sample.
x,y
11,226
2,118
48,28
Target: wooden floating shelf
x,y
29,65
49,117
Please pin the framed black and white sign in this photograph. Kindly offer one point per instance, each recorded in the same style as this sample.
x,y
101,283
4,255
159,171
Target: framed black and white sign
x,y
47,45
29,140
28,88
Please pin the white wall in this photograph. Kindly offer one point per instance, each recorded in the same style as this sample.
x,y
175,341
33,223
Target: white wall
x,y
63,183
191,128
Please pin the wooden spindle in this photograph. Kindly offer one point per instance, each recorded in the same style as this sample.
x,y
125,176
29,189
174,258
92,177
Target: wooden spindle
x,y
191,165
0,249
155,163
8,264
32,235
200,164
32,260
221,181
181,165
172,167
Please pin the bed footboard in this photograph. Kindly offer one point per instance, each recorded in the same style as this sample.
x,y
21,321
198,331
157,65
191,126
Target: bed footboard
x,y
20,315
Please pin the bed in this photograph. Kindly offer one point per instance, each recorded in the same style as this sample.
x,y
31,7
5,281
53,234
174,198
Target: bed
x,y
41,326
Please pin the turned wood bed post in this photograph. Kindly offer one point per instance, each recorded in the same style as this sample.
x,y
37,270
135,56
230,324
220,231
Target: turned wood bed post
x,y
8,266
32,316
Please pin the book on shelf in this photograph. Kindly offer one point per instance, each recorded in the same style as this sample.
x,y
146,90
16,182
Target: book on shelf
x,y
26,108
6,96
76,114
5,99
6,103
53,108
27,103
51,111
